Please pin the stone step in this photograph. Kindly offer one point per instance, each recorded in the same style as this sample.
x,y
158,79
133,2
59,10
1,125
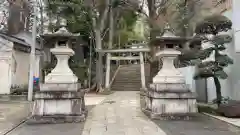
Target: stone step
x,y
129,75
126,86
129,78
127,83
127,72
129,87
136,84
125,89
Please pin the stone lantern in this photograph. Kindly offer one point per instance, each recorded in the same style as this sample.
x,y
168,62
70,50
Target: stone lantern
x,y
168,95
59,98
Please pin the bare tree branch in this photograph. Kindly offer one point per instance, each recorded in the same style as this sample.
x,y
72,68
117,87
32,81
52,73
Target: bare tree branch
x,y
161,7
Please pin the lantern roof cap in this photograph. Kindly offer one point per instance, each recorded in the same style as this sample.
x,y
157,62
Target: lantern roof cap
x,y
168,32
62,32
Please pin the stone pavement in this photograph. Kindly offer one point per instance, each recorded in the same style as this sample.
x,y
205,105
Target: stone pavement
x,y
120,114
12,113
200,125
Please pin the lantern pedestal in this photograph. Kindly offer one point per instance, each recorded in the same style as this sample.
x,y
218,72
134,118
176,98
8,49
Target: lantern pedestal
x,y
168,95
59,99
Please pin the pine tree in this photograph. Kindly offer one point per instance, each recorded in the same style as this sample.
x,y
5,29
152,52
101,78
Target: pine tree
x,y
214,68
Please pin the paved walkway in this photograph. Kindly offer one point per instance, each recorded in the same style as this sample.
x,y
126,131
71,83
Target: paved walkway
x,y
12,113
120,114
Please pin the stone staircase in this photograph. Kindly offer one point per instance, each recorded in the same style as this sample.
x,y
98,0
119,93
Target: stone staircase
x,y
128,78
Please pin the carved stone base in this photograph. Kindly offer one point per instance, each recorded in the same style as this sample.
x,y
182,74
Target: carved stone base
x,y
58,107
160,105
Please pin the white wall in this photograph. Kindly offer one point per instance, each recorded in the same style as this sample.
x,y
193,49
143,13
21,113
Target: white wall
x,y
22,60
14,66
5,77
235,17
5,65
22,71
188,72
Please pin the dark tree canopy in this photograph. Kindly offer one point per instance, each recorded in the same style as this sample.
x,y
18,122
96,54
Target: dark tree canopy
x,y
214,68
213,25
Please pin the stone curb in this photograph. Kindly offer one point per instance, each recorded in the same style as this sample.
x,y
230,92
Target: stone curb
x,y
13,98
221,119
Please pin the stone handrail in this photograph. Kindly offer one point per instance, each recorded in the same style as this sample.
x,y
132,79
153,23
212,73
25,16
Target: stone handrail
x,y
115,74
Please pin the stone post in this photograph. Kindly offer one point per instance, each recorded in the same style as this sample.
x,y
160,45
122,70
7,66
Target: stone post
x,y
108,70
142,70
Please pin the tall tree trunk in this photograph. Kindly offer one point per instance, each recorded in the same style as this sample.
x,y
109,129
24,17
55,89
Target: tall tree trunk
x,y
154,64
111,27
98,25
154,31
218,90
99,61
41,75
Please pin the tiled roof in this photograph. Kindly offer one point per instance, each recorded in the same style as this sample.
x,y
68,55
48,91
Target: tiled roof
x,y
15,39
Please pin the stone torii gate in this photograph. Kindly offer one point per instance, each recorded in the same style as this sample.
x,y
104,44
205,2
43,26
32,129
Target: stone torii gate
x,y
109,58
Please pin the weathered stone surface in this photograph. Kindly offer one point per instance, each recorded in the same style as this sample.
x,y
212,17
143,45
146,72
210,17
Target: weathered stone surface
x,y
199,124
231,109
61,73
58,107
158,104
56,119
129,119
60,86
12,113
59,100
59,95
171,87
168,95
